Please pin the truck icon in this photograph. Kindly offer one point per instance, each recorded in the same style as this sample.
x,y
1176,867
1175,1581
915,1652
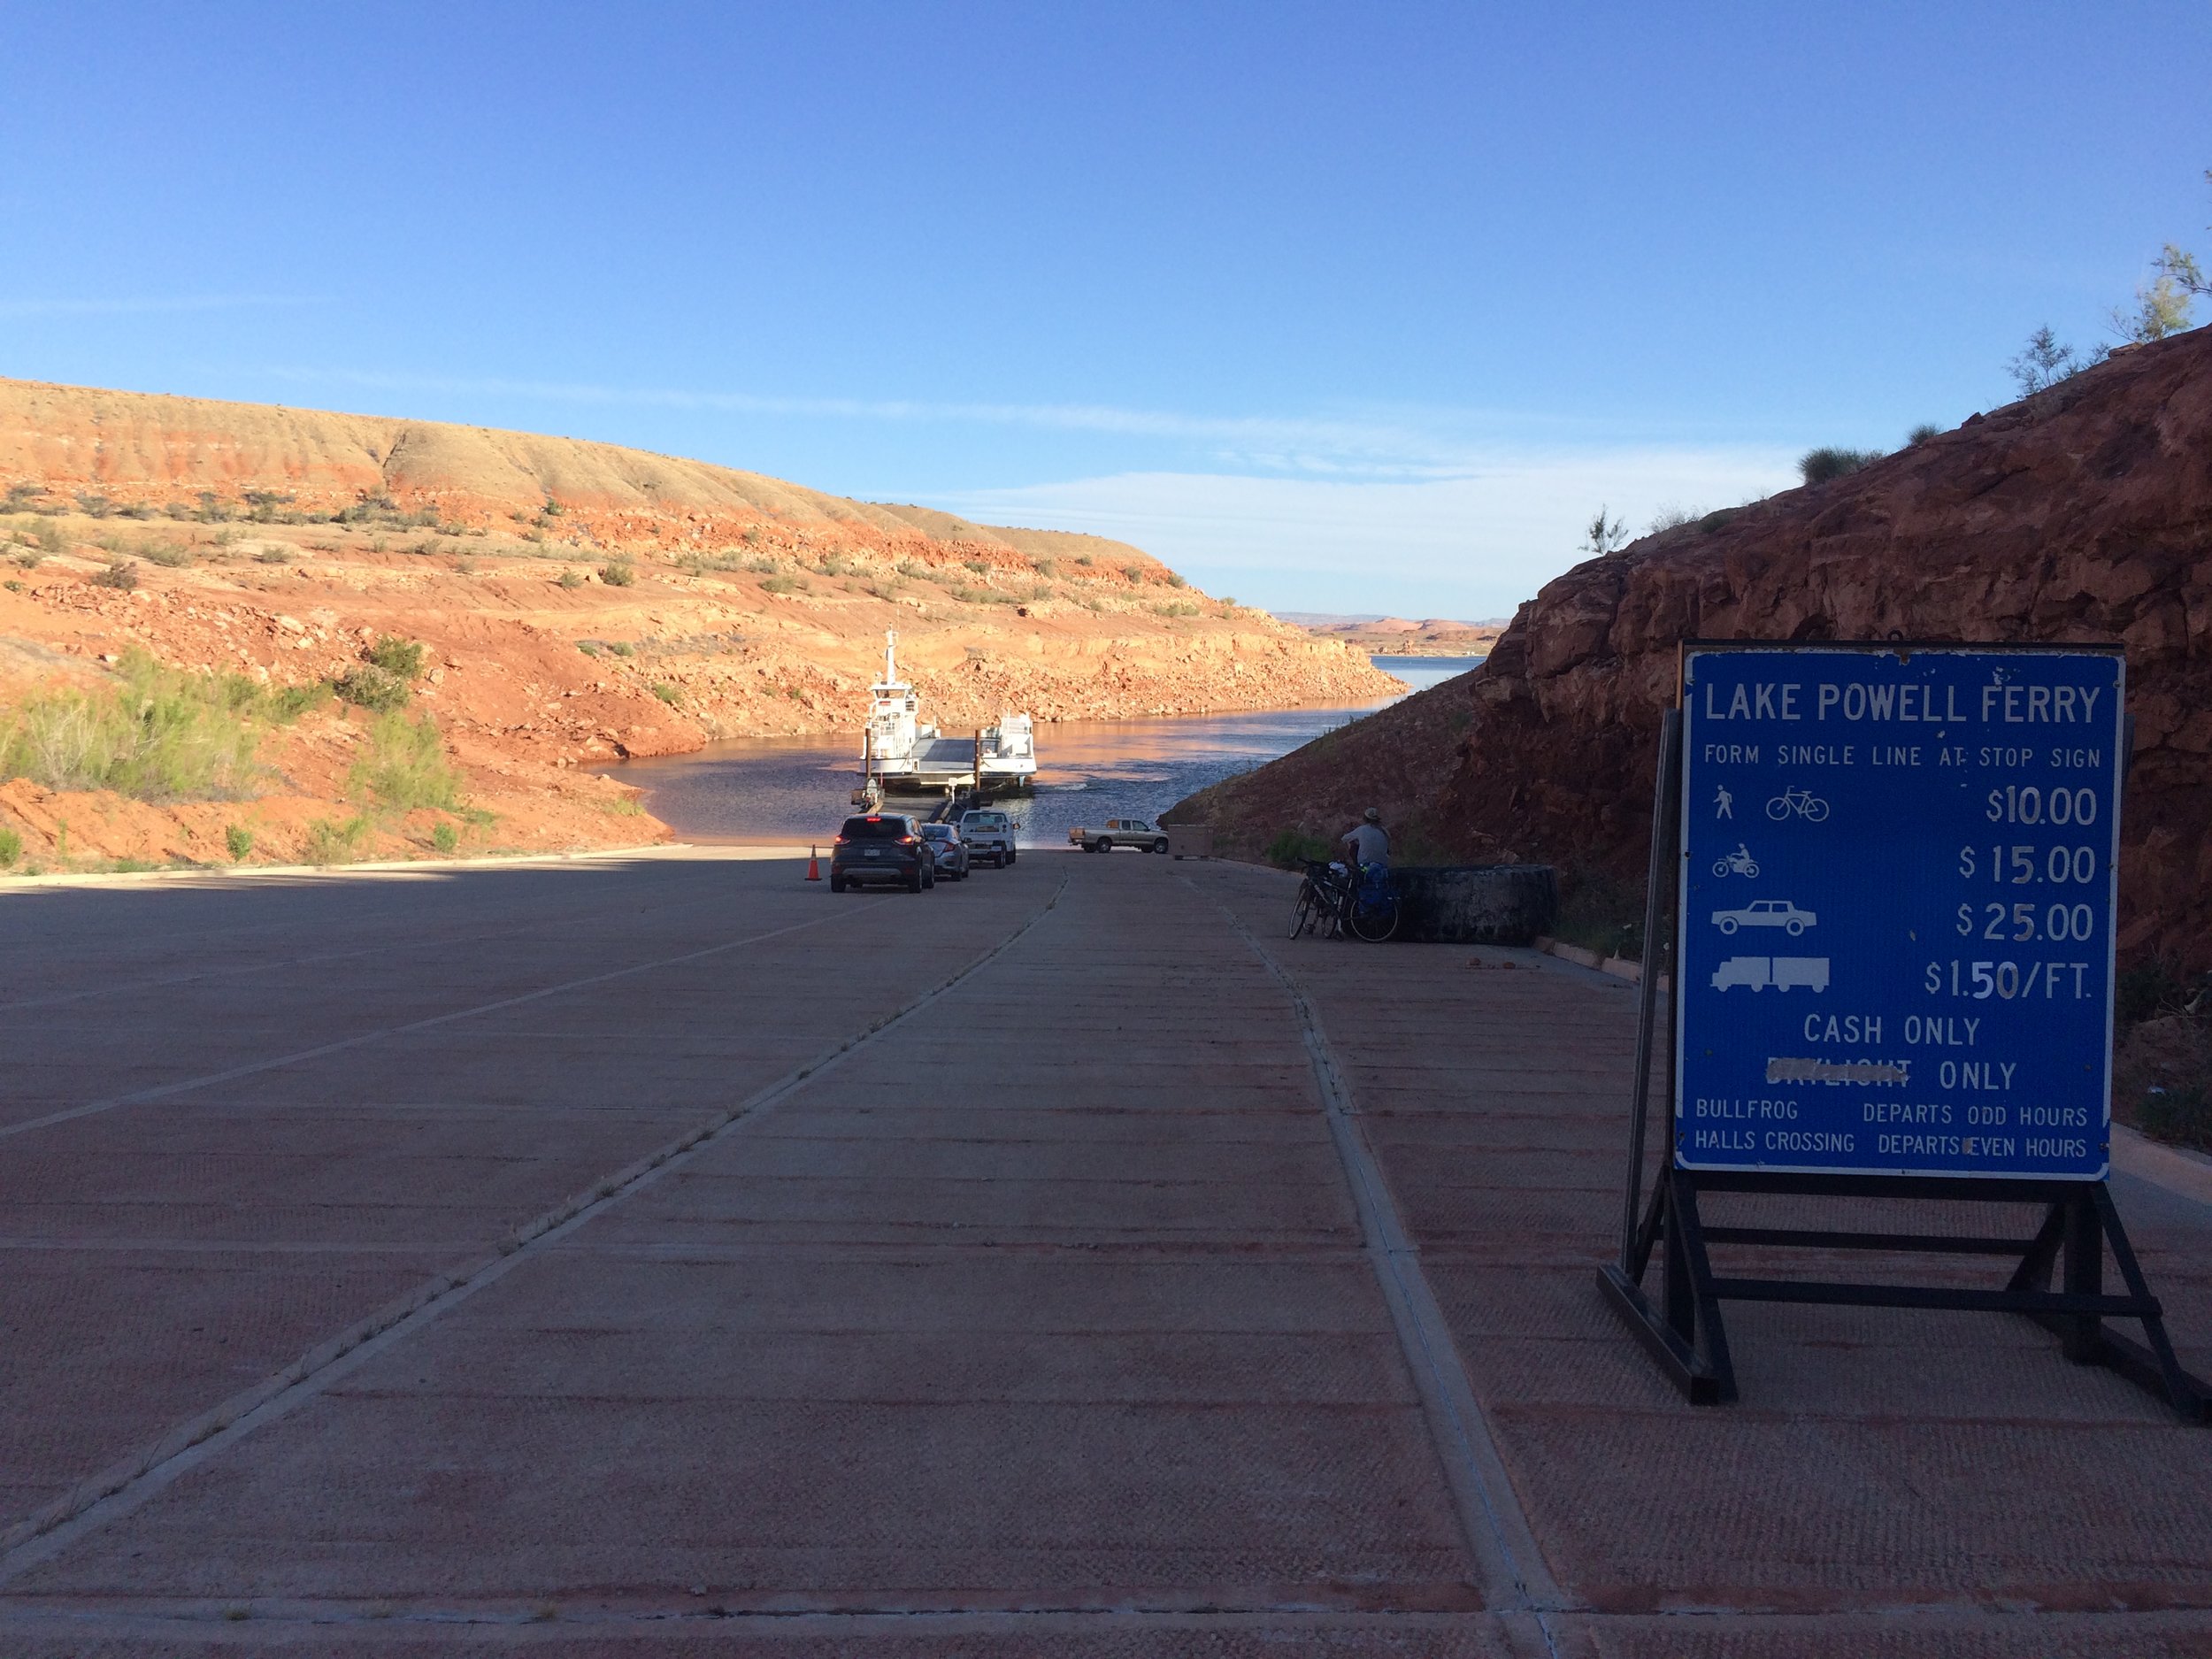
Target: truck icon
x,y
1766,913
1784,973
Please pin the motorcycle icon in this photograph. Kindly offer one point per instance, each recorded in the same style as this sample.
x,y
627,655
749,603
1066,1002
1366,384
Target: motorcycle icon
x,y
1804,802
1740,863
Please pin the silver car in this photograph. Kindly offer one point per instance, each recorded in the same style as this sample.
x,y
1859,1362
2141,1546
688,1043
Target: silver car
x,y
952,852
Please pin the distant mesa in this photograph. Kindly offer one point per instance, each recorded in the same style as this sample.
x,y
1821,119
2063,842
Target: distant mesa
x,y
1399,636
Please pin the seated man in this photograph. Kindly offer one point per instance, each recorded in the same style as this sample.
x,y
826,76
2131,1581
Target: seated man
x,y
1368,842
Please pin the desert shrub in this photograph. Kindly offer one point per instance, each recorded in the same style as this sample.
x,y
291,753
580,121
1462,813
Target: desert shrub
x,y
666,693
1177,607
403,766
117,574
2148,989
10,849
1671,517
23,498
273,556
2182,1115
784,585
160,734
1822,466
402,659
368,687
170,555
330,842
621,648
94,506
1294,849
445,838
1602,914
1085,560
571,578
618,572
283,704
1922,433
1720,516
1173,580
238,842
589,647
41,535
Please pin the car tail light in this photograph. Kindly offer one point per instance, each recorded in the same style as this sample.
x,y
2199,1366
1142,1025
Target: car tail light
x,y
906,841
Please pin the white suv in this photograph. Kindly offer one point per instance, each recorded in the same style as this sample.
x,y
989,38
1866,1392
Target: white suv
x,y
989,835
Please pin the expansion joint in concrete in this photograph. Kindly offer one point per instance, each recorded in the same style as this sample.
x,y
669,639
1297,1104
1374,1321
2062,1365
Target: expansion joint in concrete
x,y
124,1487
254,1067
1497,1530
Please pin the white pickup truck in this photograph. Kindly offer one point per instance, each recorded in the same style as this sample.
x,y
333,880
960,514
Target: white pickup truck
x,y
1120,832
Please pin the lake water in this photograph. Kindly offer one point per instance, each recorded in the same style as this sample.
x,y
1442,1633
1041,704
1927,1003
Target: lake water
x,y
796,790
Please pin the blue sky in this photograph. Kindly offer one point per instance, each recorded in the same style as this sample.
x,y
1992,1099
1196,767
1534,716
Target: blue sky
x,y
1336,308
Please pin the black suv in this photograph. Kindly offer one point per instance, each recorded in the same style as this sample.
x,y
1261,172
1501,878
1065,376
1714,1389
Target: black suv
x,y
882,846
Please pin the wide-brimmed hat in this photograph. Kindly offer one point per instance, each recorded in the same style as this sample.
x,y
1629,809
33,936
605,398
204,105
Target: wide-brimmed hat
x,y
1374,815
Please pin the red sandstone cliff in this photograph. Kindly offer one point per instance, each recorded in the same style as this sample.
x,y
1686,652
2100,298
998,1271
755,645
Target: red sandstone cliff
x,y
2082,513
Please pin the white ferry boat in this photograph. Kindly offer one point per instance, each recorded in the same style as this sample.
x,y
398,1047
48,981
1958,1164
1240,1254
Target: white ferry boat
x,y
899,752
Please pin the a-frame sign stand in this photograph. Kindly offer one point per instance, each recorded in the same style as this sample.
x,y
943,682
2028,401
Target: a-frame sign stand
x,y
1683,1330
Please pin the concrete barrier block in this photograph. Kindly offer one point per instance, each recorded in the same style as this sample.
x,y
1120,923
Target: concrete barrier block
x,y
1189,840
1476,905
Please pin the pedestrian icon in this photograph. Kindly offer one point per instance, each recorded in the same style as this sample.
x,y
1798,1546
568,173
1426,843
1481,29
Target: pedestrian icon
x,y
1724,803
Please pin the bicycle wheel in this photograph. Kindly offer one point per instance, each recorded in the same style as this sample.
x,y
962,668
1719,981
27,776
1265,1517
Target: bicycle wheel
x,y
1302,913
1375,923
1816,810
1778,808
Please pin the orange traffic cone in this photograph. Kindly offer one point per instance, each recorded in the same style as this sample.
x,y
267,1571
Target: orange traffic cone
x,y
813,864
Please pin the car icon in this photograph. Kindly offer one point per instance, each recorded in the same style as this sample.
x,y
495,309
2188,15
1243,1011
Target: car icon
x,y
1766,913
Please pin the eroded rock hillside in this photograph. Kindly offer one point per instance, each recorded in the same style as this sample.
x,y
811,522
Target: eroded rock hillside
x,y
2084,513
575,603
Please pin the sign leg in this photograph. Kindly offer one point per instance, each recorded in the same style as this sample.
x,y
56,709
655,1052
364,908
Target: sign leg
x,y
2082,1339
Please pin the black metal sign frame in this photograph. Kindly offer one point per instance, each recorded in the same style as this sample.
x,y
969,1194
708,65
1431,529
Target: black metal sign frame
x,y
1684,1331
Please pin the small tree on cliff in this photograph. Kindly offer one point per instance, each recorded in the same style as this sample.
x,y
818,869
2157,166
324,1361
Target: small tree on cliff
x,y
2161,305
2181,270
2043,362
1599,538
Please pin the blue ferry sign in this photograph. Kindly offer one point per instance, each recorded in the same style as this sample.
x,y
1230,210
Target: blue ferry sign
x,y
1896,902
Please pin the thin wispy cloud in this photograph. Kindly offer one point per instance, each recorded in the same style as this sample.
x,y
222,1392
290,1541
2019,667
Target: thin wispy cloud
x,y
1425,444
1470,546
150,304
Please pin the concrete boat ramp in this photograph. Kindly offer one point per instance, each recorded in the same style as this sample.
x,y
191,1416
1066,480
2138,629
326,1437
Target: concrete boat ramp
x,y
657,1255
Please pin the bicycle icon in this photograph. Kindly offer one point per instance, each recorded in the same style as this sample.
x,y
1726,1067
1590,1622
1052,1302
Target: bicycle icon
x,y
1803,802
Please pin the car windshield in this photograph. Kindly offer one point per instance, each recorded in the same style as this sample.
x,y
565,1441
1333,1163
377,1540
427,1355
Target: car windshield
x,y
937,832
984,820
873,829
